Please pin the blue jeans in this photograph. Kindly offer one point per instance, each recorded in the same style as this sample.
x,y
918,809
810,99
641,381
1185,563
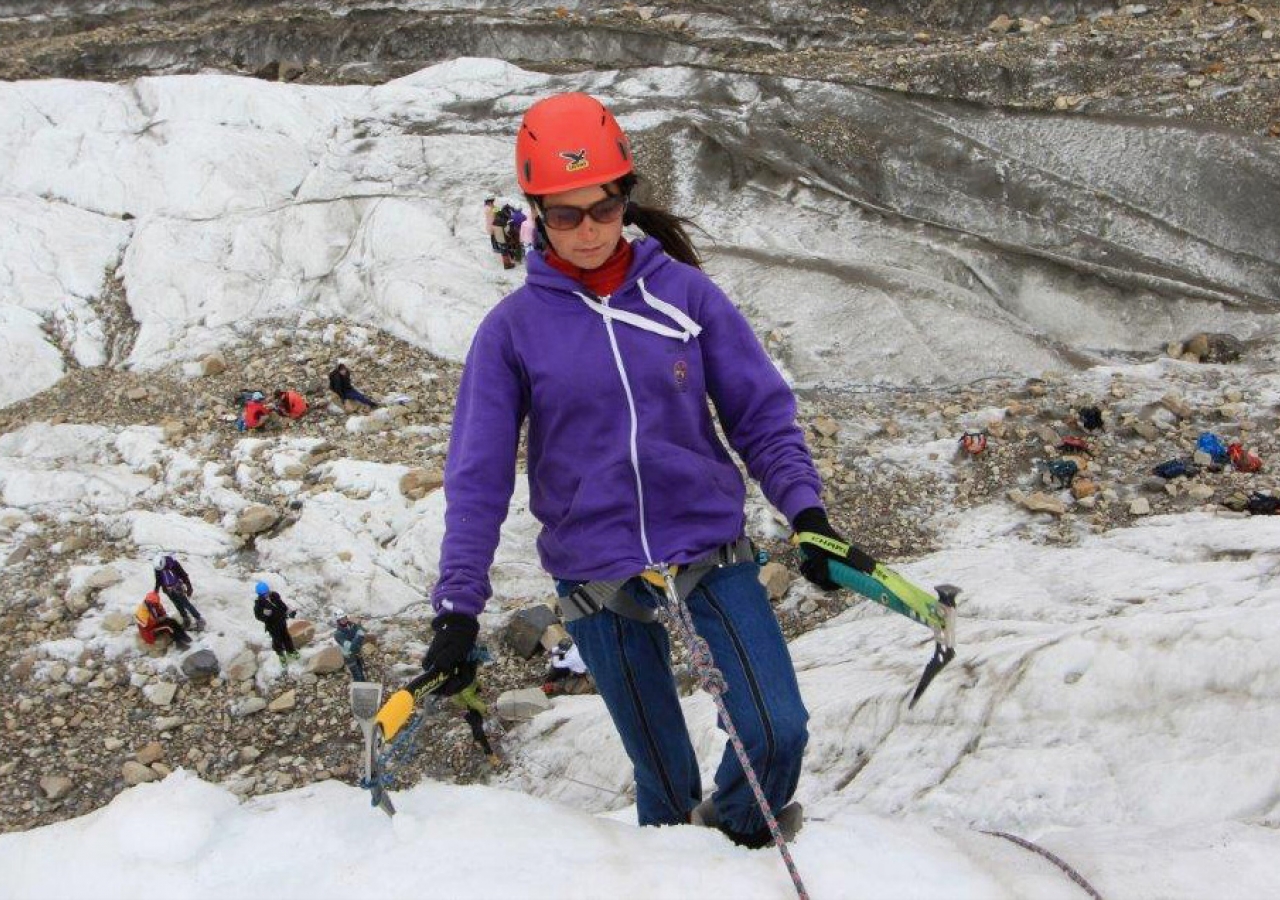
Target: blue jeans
x,y
631,664
354,395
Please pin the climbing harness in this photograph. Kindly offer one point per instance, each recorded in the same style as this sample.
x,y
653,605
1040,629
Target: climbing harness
x,y
590,597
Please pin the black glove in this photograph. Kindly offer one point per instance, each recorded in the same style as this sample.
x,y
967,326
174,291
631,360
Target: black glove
x,y
814,558
293,614
455,637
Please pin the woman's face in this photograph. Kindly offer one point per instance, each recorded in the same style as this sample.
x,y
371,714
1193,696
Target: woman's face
x,y
590,243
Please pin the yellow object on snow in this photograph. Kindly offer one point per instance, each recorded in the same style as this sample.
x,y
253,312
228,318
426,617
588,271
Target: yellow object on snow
x,y
394,713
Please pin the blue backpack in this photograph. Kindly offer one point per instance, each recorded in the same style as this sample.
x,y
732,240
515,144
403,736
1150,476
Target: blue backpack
x,y
1211,444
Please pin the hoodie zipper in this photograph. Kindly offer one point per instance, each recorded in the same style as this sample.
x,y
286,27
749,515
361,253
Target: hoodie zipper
x,y
635,429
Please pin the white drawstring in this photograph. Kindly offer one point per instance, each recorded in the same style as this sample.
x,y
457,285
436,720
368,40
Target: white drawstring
x,y
688,327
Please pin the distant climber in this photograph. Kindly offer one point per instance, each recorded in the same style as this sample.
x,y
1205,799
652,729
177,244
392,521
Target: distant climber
x,y
340,384
290,404
1090,418
270,609
498,236
568,673
176,584
515,222
974,442
153,621
255,412
350,636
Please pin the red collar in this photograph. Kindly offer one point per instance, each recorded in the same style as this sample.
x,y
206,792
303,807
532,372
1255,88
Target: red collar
x,y
601,281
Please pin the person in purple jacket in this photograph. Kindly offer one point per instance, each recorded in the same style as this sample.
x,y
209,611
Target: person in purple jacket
x,y
609,354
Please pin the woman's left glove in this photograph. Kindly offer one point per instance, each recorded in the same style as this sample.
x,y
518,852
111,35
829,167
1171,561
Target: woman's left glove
x,y
455,638
819,544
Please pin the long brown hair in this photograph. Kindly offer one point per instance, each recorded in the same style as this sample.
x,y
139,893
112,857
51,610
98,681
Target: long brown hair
x,y
667,228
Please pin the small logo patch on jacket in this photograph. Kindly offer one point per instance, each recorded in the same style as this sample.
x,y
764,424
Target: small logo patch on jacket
x,y
577,160
681,372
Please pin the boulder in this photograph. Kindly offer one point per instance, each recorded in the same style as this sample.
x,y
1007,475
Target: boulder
x,y
201,666
243,667
285,702
523,632
553,636
103,578
1038,502
213,364
1200,492
328,660
116,622
135,772
255,519
302,631
1213,347
1139,506
161,694
417,483
56,787
1083,487
776,579
173,430
826,426
248,707
521,705
150,753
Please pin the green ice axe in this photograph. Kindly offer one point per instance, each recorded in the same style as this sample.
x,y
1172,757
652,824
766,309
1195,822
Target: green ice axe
x,y
936,611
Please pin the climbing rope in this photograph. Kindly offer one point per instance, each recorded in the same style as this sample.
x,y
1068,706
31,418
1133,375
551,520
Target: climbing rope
x,y
711,679
1053,858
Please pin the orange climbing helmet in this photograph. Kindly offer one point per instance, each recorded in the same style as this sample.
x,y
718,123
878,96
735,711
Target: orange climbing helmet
x,y
569,141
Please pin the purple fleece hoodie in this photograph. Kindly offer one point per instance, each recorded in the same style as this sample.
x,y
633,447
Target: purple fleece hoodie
x,y
625,468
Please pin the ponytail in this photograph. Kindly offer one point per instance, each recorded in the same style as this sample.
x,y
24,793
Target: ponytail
x,y
667,228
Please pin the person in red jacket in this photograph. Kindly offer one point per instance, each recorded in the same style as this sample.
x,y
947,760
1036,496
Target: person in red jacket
x,y
153,620
290,404
254,414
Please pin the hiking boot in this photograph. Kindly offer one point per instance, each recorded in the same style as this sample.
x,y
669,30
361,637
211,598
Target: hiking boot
x,y
293,654
199,623
790,821
284,660
705,814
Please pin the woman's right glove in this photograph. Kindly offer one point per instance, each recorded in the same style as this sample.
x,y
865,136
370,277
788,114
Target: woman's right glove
x,y
815,554
455,637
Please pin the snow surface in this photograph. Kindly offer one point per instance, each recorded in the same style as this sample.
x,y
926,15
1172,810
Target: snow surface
x,y
1112,700
223,201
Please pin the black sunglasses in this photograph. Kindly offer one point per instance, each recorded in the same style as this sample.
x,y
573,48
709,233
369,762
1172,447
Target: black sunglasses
x,y
562,218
